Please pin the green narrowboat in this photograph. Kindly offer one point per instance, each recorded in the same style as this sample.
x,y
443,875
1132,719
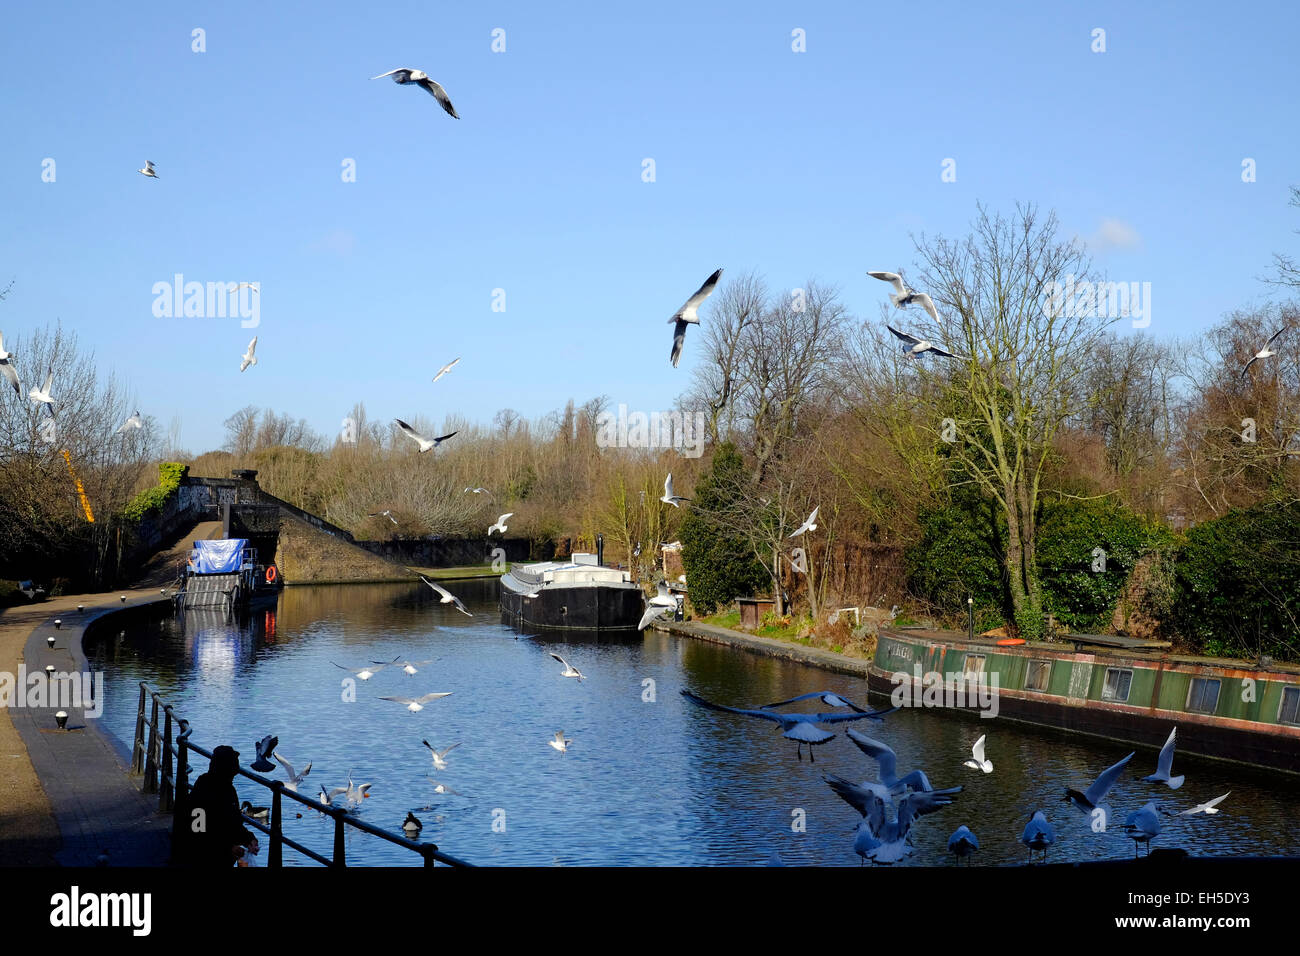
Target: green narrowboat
x,y
1102,686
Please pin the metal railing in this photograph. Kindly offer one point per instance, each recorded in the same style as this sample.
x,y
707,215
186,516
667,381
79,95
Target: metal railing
x,y
152,754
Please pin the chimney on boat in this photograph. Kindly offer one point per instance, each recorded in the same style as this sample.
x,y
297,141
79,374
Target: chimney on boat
x,y
600,549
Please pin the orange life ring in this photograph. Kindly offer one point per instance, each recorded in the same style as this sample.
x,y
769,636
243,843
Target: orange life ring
x,y
1010,642
271,574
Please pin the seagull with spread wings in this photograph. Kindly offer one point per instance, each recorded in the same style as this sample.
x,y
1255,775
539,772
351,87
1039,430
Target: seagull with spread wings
x,y
689,314
1165,765
810,524
148,169
415,704
877,837
440,756
424,443
500,524
1263,353
569,669
1092,798
6,367
801,728
249,358
887,760
294,778
445,369
446,597
668,497
977,761
915,346
902,296
420,78
135,421
43,395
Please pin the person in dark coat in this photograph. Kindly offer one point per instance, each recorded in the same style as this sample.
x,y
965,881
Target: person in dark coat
x,y
218,837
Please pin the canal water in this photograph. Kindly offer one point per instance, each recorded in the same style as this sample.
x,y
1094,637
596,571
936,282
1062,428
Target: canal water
x,y
649,778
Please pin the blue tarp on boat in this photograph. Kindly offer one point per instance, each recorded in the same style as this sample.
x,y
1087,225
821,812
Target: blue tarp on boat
x,y
217,557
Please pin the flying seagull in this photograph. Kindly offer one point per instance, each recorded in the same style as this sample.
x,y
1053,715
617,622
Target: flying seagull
x,y
919,346
294,778
569,669
148,169
1143,825
1091,798
248,358
441,788
365,673
1165,764
265,747
977,761
561,742
1263,353
801,728
878,838
661,603
447,597
412,667
826,697
1038,834
962,843
415,704
810,524
424,443
135,421
903,296
500,523
422,78
383,514
480,491
255,286
439,756
689,314
6,367
445,369
42,395
1207,807
668,497
887,760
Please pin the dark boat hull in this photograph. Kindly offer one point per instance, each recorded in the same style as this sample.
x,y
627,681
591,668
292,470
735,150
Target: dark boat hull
x,y
579,608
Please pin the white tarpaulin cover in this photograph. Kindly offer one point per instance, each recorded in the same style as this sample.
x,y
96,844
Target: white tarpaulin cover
x,y
215,557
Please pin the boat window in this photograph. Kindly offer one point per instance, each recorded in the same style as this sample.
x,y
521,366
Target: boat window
x,y
1290,710
1203,695
1117,684
974,664
1037,676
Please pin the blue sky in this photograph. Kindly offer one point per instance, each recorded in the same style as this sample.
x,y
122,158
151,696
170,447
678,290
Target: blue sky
x,y
795,165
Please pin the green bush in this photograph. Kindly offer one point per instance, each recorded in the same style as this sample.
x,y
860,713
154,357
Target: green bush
x,y
170,474
719,567
959,555
1237,583
1086,552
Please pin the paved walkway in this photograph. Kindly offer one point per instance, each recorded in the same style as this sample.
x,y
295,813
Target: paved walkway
x,y
767,646
66,797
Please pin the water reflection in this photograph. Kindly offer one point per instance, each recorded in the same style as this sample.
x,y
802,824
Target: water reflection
x,y
649,778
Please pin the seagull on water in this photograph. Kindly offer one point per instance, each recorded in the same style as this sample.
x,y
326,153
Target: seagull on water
x,y
135,421
668,497
1165,764
424,443
977,761
689,314
1091,798
447,596
265,747
365,673
294,778
801,728
876,837
148,169
919,346
1143,825
561,742
887,760
248,358
903,296
569,669
383,514
445,369
422,79
43,395
442,789
962,843
439,756
6,367
1038,834
661,603
826,697
414,704
412,823
1207,807
500,523
1263,353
